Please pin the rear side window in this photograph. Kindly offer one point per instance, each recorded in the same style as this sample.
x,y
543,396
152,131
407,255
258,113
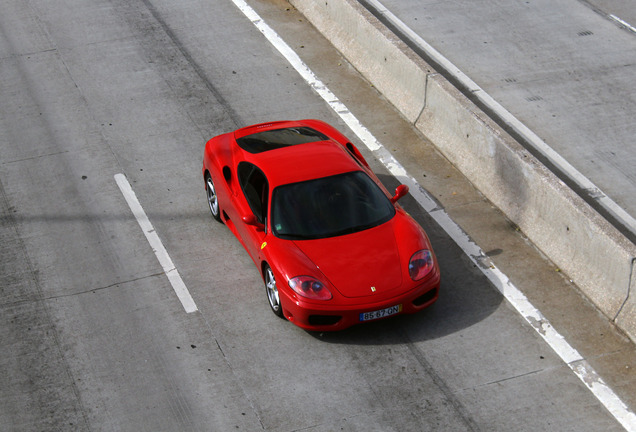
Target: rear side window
x,y
278,138
255,188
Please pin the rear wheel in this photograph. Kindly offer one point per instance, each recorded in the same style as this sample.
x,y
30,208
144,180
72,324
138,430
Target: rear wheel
x,y
213,201
272,292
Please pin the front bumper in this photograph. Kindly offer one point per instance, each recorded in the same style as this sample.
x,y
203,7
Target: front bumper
x,y
327,317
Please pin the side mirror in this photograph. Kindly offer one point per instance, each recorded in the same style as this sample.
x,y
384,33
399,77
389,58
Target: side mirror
x,y
252,221
400,191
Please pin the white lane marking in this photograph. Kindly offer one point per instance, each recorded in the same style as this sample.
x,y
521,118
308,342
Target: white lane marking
x,y
623,23
516,298
532,138
155,243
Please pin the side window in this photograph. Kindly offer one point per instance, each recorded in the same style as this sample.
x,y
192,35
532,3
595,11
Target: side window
x,y
357,156
255,188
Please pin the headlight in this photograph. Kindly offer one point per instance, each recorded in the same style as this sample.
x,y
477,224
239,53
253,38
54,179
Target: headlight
x,y
421,264
309,287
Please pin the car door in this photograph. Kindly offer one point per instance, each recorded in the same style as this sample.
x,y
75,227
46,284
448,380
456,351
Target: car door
x,y
255,190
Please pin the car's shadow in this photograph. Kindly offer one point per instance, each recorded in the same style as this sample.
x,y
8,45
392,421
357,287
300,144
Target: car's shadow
x,y
466,295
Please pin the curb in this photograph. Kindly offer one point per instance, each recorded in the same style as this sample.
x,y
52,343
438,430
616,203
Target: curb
x,y
596,256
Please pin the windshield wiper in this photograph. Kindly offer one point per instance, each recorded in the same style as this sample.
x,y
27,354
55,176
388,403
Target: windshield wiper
x,y
298,237
353,229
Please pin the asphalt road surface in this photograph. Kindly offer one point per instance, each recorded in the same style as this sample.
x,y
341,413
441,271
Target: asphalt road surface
x,y
92,334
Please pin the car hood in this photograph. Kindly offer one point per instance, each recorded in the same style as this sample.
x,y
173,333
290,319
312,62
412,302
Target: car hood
x,y
362,264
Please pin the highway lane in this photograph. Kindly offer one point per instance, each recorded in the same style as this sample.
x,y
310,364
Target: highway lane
x,y
93,336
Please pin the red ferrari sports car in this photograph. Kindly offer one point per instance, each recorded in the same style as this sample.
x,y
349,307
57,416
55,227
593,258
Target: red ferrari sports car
x,y
333,246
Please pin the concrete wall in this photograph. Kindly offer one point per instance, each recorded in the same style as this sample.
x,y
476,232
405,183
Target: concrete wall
x,y
583,244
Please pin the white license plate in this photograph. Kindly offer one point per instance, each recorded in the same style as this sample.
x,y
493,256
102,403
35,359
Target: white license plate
x,y
368,316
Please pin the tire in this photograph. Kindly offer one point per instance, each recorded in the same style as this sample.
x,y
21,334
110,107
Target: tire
x,y
272,292
213,200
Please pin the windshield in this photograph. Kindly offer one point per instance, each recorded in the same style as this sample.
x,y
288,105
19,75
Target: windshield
x,y
329,207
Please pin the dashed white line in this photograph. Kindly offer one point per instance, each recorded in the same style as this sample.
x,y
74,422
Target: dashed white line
x,y
516,298
155,243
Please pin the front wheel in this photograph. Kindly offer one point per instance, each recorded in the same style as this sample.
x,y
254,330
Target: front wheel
x,y
213,200
272,292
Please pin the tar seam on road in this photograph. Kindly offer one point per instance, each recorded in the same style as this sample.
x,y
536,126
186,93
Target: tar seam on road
x,y
233,115
157,246
10,221
581,368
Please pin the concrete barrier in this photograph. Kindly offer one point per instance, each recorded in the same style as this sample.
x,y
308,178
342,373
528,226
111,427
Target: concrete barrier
x,y
598,258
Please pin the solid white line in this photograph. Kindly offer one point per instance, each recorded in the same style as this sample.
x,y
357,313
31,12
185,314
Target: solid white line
x,y
155,243
516,298
623,23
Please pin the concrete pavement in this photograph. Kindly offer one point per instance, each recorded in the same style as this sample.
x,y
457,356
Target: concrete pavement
x,y
93,335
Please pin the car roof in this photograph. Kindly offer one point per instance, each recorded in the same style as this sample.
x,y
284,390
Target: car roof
x,y
312,149
302,162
